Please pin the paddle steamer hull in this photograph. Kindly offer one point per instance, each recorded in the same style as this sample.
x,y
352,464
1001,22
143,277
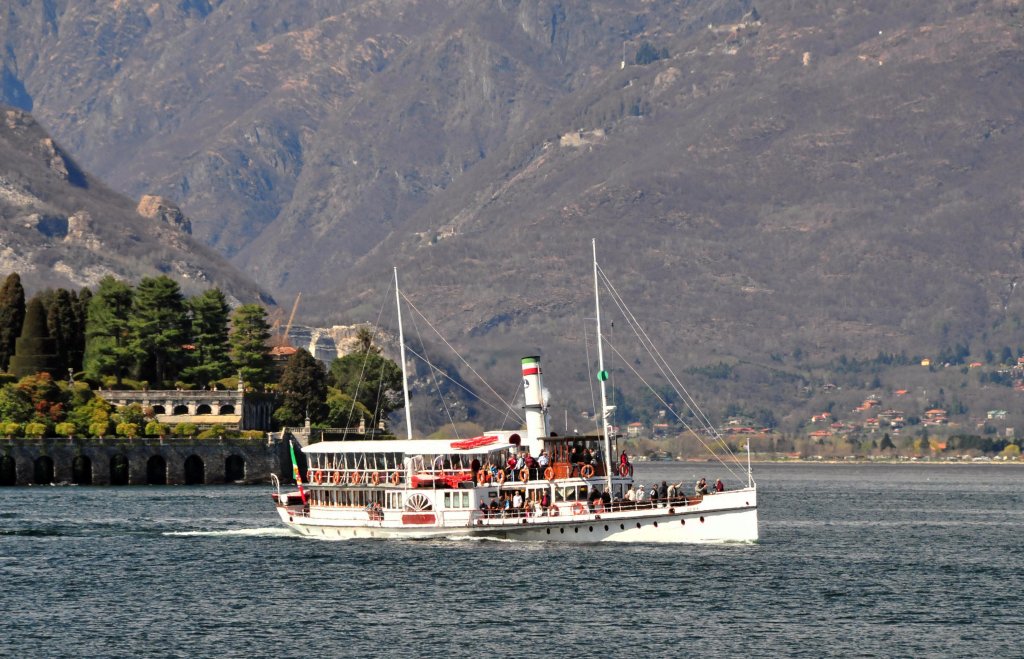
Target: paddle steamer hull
x,y
723,517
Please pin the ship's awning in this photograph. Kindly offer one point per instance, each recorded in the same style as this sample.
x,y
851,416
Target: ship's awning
x,y
410,446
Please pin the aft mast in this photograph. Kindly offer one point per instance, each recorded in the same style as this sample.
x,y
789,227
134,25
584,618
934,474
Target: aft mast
x,y
602,376
401,346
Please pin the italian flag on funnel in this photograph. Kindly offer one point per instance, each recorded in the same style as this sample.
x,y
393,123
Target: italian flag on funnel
x,y
531,365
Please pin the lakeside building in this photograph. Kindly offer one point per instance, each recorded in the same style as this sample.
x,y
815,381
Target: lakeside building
x,y
238,410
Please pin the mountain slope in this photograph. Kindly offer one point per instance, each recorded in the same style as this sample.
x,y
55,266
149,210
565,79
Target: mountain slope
x,y
62,227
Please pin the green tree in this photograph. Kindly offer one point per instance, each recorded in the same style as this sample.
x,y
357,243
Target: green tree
x,y
62,321
106,331
66,429
304,386
647,53
158,329
12,316
248,339
34,351
81,302
886,443
210,359
344,412
373,380
156,429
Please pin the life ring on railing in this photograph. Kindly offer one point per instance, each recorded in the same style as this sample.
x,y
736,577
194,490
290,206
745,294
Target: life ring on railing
x,y
375,478
553,510
309,475
578,508
355,477
500,477
549,474
482,477
395,478
599,507
524,475
623,470
336,477
318,476
587,471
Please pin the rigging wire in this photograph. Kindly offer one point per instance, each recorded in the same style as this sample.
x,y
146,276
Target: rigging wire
x,y
590,376
366,358
433,377
456,352
670,376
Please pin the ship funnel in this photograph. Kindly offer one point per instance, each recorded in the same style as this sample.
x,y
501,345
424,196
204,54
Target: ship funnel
x,y
535,405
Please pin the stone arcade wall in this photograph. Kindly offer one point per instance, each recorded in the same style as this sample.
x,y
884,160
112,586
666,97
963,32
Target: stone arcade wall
x,y
259,458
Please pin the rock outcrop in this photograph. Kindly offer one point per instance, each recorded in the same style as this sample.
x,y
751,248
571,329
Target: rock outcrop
x,y
155,207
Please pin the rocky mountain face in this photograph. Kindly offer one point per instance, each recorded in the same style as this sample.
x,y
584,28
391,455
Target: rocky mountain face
x,y
61,227
778,183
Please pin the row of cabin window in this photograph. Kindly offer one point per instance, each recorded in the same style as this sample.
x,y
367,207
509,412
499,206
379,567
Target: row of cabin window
x,y
347,498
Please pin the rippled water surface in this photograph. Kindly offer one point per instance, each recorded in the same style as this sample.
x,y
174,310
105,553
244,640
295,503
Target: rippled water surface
x,y
854,560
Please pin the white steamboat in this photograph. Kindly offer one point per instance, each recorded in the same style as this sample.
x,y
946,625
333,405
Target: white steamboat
x,y
577,493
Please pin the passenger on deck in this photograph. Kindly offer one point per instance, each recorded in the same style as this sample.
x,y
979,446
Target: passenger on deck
x,y
588,458
641,494
545,502
630,496
517,504
495,508
484,511
606,499
674,491
719,485
653,495
701,488
542,462
510,467
531,466
517,467
663,491
574,461
624,461
593,497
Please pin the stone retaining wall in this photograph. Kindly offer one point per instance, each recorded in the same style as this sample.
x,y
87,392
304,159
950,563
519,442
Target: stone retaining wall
x,y
149,461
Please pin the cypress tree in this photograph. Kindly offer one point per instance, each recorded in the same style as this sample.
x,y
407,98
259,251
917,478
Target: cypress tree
x,y
81,304
249,336
12,316
158,327
63,325
35,351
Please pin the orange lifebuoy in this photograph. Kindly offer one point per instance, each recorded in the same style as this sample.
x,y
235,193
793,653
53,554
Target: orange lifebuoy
x,y
549,474
587,471
318,476
309,475
375,478
599,506
623,469
524,475
482,477
500,477
395,478
553,510
578,508
336,477
355,477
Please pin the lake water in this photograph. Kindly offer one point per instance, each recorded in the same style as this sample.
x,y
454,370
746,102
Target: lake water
x,y
873,560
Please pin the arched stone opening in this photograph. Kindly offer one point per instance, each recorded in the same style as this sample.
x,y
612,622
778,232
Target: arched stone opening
x,y
81,470
204,409
227,409
234,468
159,409
156,470
119,469
43,470
180,409
8,471
195,470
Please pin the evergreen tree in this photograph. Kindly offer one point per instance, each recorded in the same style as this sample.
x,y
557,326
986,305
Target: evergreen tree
x,y
886,443
12,316
373,380
34,351
106,330
304,384
81,302
62,322
248,339
158,329
210,358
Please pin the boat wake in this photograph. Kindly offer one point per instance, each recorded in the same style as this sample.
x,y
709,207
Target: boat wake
x,y
265,532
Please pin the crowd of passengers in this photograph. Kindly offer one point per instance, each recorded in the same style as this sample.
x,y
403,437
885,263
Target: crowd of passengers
x,y
579,457
515,504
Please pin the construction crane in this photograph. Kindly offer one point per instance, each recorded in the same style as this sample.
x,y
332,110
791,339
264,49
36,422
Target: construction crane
x,y
291,318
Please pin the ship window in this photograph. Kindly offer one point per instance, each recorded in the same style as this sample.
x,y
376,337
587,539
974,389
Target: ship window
x,y
447,499
465,499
